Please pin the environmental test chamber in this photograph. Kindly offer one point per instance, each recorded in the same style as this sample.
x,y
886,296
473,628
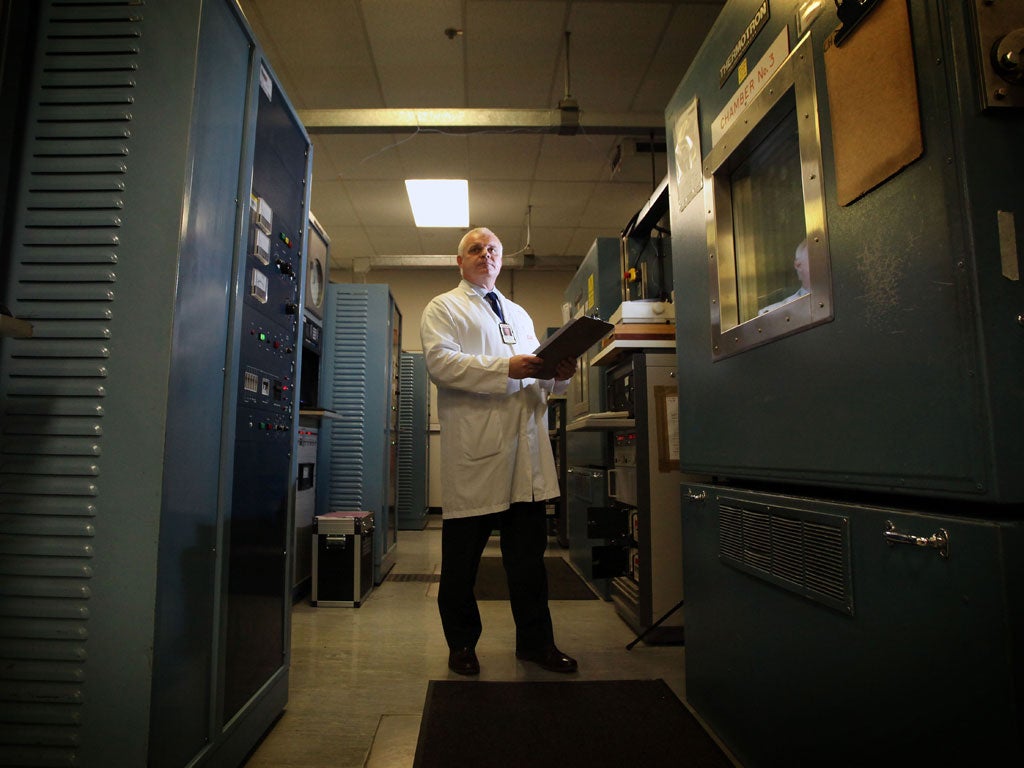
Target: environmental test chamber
x,y
596,287
153,237
360,384
846,207
595,290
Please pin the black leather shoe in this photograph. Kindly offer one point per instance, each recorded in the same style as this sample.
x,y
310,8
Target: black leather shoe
x,y
551,659
463,661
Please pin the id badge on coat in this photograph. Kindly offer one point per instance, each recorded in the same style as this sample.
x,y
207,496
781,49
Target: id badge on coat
x,y
507,334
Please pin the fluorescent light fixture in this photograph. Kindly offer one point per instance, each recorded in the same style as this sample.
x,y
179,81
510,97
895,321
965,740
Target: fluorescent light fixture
x,y
439,202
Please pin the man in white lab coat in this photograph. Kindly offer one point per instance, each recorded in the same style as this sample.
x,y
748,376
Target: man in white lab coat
x,y
497,468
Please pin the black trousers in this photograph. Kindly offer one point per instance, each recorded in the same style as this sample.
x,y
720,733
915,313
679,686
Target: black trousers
x,y
523,530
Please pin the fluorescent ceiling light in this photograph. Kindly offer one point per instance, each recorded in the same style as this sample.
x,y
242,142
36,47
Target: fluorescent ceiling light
x,y
439,202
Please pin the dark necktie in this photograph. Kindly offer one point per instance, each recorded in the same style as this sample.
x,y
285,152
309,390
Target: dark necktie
x,y
492,299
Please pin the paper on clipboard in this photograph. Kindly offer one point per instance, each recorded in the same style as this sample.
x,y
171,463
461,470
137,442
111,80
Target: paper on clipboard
x,y
571,340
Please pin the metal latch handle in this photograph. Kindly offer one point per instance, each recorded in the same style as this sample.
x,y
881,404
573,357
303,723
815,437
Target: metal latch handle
x,y
938,540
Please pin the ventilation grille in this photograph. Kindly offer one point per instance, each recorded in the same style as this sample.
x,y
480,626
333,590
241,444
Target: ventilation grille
x,y
430,578
805,552
348,398
63,280
406,459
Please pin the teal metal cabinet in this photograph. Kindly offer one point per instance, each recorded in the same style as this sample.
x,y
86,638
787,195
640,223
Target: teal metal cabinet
x,y
358,450
154,230
815,636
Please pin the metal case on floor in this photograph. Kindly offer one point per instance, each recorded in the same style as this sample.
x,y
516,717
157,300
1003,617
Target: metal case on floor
x,y
342,558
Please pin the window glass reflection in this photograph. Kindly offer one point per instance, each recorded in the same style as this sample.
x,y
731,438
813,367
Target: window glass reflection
x,y
768,223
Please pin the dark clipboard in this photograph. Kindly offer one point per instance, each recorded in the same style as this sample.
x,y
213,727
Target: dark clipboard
x,y
571,340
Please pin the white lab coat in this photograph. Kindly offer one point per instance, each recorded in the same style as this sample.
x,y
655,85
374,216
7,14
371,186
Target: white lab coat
x,y
494,430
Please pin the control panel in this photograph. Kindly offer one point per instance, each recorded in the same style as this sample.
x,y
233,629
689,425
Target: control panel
x,y
271,286
624,449
270,324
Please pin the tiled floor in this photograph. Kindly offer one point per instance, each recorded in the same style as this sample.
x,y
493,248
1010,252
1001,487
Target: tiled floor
x,y
359,675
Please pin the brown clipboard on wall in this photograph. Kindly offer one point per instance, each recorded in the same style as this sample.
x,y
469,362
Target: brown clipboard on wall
x,y
872,94
571,340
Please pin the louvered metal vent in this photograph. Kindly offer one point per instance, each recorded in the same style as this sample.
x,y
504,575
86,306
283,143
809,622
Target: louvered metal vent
x,y
406,403
805,552
430,578
348,398
63,277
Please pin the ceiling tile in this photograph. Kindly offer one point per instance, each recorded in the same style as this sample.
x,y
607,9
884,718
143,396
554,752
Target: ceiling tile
x,y
429,155
611,48
324,168
575,158
636,163
362,156
346,243
499,203
513,50
613,204
503,156
396,241
321,47
682,38
380,203
329,201
552,241
418,65
559,203
440,240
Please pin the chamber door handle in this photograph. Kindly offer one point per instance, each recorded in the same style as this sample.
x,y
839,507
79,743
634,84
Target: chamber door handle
x,y
938,540
696,495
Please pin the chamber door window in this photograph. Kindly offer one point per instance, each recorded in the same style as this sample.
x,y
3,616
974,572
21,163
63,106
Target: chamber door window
x,y
767,245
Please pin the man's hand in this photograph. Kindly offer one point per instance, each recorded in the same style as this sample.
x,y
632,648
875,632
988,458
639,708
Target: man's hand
x,y
524,366
565,369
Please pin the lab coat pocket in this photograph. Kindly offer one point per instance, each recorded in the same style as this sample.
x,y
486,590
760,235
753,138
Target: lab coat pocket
x,y
482,438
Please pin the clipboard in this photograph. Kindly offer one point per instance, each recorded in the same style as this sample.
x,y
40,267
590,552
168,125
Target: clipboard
x,y
571,340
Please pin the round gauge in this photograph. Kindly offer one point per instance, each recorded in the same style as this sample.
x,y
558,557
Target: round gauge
x,y
316,283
